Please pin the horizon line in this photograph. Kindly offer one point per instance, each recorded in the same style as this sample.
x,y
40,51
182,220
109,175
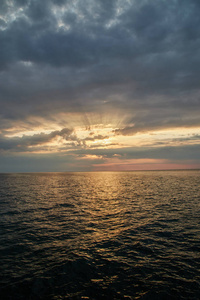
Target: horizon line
x,y
106,171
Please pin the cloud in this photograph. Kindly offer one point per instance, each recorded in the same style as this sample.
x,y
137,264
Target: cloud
x,y
187,156
96,137
181,152
137,60
22,143
64,139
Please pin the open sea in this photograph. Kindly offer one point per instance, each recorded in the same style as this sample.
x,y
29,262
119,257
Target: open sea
x,y
106,235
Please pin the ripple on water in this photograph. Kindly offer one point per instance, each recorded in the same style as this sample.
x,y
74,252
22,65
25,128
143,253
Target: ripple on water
x,y
111,235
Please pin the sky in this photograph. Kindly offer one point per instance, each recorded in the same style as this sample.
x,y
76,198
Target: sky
x,y
96,85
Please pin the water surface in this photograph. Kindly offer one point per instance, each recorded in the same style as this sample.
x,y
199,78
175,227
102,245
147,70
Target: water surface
x,y
120,235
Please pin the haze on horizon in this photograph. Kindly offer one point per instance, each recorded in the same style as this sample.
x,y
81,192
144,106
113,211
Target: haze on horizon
x,y
99,85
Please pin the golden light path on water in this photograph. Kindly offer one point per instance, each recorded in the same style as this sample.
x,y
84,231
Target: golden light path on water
x,y
111,234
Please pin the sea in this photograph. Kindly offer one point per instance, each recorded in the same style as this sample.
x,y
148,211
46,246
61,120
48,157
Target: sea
x,y
103,235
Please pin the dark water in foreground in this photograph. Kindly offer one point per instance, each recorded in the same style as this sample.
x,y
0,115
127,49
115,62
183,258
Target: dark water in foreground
x,y
132,235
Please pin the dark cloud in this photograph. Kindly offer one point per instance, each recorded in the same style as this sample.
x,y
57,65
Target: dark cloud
x,y
172,153
149,122
22,143
96,137
27,143
146,30
68,162
137,57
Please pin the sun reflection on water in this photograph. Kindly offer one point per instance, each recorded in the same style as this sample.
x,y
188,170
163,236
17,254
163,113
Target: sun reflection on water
x,y
111,232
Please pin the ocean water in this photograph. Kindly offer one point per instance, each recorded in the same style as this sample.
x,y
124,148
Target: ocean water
x,y
120,235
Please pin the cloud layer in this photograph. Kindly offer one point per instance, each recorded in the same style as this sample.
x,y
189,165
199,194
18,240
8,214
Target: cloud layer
x,y
130,66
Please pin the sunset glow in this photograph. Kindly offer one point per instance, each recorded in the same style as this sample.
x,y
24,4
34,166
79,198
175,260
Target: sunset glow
x,y
91,88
